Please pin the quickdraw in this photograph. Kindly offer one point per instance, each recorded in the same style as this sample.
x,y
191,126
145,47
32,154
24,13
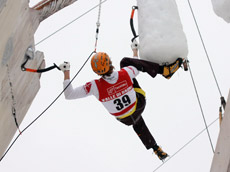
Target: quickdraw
x,y
131,23
223,104
98,24
29,55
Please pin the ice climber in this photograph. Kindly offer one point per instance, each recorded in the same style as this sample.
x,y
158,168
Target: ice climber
x,y
120,92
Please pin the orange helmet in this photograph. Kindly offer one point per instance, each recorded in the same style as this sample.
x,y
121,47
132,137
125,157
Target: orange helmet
x,y
100,63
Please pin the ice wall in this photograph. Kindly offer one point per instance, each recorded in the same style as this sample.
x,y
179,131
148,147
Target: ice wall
x,y
160,31
222,9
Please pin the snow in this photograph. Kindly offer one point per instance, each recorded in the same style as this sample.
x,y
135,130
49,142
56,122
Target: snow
x,y
222,9
160,31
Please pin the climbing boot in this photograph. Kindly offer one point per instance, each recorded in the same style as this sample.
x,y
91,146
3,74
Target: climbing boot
x,y
160,153
169,70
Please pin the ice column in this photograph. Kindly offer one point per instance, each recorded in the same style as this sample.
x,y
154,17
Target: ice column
x,y
222,9
160,31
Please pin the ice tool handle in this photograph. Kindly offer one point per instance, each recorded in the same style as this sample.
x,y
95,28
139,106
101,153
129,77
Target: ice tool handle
x,y
131,23
28,56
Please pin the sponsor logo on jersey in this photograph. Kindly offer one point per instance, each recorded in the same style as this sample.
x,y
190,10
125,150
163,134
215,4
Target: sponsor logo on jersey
x,y
117,90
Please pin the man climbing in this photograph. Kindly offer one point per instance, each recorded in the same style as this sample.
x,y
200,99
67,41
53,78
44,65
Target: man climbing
x,y
120,92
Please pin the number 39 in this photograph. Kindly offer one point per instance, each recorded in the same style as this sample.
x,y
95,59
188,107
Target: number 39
x,y
122,102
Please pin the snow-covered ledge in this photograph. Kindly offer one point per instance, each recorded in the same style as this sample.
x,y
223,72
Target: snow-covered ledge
x,y
160,30
222,9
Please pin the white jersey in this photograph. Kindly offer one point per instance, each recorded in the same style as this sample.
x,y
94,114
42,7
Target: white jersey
x,y
115,92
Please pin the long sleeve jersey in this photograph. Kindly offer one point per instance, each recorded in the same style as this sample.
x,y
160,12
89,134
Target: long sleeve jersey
x,y
115,92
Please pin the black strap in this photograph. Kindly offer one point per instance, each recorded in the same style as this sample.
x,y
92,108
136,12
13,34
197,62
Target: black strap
x,y
48,68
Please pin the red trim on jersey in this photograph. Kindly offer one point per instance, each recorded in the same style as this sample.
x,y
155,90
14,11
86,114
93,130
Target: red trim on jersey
x,y
109,91
131,69
87,87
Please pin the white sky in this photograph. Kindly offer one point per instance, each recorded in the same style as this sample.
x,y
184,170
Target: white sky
x,y
80,135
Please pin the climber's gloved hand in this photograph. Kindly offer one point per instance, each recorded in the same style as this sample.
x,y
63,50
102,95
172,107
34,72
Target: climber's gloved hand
x,y
135,45
64,66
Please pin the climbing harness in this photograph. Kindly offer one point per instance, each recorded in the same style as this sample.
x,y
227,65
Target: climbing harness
x,y
13,99
29,55
131,23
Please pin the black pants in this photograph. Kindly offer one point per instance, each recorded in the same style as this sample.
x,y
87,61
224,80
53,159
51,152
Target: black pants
x,y
138,123
142,65
136,119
